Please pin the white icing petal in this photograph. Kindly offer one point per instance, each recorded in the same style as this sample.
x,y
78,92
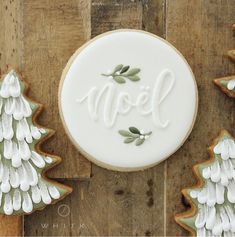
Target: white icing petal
x,y
206,173
1,132
54,192
231,216
7,126
211,218
22,131
202,196
16,200
1,171
19,131
16,159
217,148
8,207
8,149
219,193
9,106
44,192
35,132
36,194
22,108
231,85
18,112
27,111
215,172
24,150
42,130
32,174
1,103
201,218
27,204
1,198
201,232
29,138
14,89
231,192
14,178
194,193
5,185
25,183
225,149
4,91
25,127
211,200
224,177
228,166
225,219
231,148
37,160
48,159
217,229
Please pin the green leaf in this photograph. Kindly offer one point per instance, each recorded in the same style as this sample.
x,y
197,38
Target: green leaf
x,y
129,140
139,141
134,130
125,133
133,78
133,71
124,69
118,68
119,79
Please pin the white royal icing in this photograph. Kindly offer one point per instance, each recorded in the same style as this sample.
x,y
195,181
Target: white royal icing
x,y
21,185
216,213
231,85
128,79
94,96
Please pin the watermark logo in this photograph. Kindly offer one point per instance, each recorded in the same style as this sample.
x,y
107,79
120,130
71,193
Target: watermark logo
x,y
63,210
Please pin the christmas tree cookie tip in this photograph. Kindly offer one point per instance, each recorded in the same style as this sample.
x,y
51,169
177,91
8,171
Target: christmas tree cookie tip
x,y
22,187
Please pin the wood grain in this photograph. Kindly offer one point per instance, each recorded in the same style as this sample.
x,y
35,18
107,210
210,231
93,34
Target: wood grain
x,y
203,34
53,30
10,55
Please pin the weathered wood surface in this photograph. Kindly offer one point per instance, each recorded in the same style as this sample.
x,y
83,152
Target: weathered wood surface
x,y
38,37
140,203
10,53
203,34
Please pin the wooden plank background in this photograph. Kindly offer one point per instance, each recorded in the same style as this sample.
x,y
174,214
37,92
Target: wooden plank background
x,y
38,37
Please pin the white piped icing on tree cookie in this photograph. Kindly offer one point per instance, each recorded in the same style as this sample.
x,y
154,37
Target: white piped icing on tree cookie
x,y
215,200
121,84
231,85
22,188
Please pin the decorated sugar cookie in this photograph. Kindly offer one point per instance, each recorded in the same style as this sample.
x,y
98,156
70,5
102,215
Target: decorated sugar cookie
x,y
213,199
128,100
227,85
23,186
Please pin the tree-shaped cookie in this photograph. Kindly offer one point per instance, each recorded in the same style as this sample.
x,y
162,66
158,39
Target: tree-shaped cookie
x,y
227,84
213,198
23,185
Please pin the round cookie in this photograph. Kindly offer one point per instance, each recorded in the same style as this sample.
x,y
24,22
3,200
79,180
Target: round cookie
x,y
128,100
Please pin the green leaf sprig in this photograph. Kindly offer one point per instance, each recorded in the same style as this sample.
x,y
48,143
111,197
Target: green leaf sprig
x,y
121,72
134,135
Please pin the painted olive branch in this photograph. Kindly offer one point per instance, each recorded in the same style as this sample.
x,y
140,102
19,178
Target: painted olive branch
x,y
134,135
121,72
